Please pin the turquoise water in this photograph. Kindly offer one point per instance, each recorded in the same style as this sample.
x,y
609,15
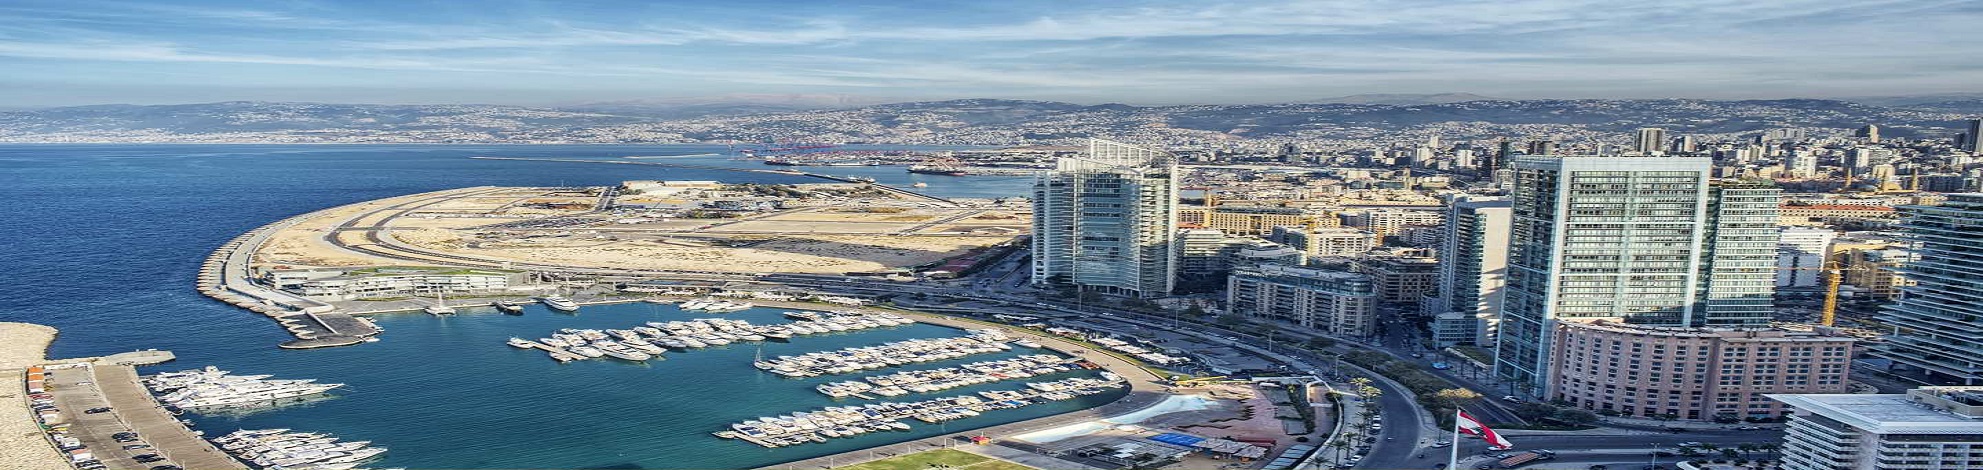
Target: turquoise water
x,y
103,242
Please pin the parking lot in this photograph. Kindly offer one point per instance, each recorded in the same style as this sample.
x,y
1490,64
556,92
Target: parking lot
x,y
125,416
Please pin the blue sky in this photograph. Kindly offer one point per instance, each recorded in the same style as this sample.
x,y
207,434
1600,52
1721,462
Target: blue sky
x,y
1142,52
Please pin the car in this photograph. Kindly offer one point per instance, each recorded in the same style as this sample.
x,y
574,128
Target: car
x,y
125,434
137,446
96,410
150,459
1689,444
1750,428
167,467
1441,444
127,439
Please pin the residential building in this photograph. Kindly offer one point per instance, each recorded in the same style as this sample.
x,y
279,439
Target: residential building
x,y
1473,267
1929,428
1205,252
1104,221
1255,220
1650,141
1332,241
1254,252
1386,222
1738,254
1974,141
1801,253
1875,274
1812,216
1400,279
1692,373
1938,322
1340,303
1630,239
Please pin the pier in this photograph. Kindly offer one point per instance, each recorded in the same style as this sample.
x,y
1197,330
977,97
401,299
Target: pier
x,y
112,381
225,276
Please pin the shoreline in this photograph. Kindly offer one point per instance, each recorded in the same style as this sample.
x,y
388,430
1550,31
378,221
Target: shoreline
x,y
22,442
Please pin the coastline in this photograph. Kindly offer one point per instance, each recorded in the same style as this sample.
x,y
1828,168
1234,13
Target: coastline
x,y
22,444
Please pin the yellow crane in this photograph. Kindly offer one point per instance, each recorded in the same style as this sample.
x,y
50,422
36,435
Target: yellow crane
x,y
1833,277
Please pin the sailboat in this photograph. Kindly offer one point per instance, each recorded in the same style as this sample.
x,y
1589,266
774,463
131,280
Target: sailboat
x,y
440,306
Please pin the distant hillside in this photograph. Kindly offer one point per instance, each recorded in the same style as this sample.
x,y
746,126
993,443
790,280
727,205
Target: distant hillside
x,y
1400,99
966,121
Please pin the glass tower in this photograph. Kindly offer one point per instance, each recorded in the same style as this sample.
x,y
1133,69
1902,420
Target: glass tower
x,y
1104,221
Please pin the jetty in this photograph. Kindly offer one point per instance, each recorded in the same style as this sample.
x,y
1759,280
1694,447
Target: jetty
x,y
112,382
225,276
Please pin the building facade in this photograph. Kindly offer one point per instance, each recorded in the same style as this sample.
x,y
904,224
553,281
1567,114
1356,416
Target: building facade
x,y
1692,373
1931,428
1341,303
1386,222
1473,267
1104,221
1801,253
382,282
1938,322
1400,279
1629,239
1252,220
1329,241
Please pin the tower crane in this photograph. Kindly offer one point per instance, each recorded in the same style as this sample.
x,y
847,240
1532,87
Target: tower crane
x,y
1833,277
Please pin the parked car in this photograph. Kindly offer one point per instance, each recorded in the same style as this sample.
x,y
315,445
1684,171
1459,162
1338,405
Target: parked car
x,y
96,410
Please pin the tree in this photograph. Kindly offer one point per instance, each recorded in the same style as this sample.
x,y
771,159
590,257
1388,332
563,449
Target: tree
x,y
1320,343
1730,454
1747,449
1534,411
1574,416
1194,310
1230,320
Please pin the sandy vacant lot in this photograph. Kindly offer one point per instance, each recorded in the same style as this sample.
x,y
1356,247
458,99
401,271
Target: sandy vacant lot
x,y
21,442
794,254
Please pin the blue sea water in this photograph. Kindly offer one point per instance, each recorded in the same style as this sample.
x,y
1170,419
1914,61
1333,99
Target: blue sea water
x,y
102,241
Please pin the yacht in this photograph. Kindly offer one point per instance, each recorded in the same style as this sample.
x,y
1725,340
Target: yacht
x,y
588,351
521,343
559,303
509,307
440,306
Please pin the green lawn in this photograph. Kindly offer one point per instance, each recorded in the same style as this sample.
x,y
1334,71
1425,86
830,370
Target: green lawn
x,y
940,457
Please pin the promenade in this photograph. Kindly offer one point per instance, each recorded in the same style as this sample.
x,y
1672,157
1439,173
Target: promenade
x,y
1145,390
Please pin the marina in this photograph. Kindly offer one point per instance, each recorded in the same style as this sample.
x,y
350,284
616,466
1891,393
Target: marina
x,y
212,388
848,421
278,449
932,380
654,338
890,354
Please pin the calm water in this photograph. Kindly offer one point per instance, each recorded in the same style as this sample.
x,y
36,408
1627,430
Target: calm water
x,y
103,241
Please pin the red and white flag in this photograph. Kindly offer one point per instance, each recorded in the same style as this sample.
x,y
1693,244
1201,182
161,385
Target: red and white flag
x,y
1469,425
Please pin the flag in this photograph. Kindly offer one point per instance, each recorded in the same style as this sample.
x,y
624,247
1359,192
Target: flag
x,y
1469,425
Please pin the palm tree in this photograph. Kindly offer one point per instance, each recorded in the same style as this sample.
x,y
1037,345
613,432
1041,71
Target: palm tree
x,y
1342,445
1747,449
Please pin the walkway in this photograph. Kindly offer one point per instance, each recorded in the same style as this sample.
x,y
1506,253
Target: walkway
x,y
166,435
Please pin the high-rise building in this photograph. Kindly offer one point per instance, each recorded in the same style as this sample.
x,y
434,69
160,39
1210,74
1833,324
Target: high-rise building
x,y
1938,322
1871,133
1686,144
1205,252
1400,279
1104,221
1628,239
1650,141
1473,266
1930,428
1338,302
1972,144
1738,254
1542,147
1801,253
1801,164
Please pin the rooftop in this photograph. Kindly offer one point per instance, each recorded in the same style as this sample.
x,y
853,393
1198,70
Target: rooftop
x,y
1883,414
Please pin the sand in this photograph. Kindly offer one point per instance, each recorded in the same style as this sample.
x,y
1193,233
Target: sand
x,y
817,254
21,443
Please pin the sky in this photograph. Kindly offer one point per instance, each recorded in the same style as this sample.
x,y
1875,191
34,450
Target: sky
x,y
538,52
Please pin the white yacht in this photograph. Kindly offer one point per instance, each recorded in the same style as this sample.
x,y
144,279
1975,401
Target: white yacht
x,y
559,303
440,306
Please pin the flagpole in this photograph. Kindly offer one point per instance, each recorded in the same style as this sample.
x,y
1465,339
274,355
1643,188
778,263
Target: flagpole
x,y
1453,462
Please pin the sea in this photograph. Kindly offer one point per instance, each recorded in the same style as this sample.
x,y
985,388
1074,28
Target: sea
x,y
103,242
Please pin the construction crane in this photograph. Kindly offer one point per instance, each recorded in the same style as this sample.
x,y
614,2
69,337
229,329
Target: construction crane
x,y
1833,277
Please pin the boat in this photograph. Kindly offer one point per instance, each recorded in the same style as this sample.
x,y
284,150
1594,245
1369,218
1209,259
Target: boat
x,y
588,351
559,303
440,306
509,307
521,343
944,170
